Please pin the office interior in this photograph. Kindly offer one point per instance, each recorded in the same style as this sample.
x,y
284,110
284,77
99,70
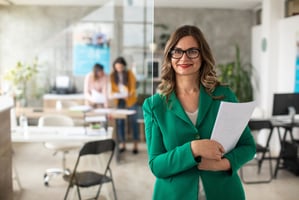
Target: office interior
x,y
43,34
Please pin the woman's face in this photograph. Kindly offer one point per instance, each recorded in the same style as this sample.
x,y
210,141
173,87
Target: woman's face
x,y
100,73
119,67
186,65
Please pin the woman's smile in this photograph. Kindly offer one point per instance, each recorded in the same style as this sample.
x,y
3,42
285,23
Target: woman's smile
x,y
185,65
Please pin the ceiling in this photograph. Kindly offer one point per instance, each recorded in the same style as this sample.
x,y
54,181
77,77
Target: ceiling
x,y
228,4
53,2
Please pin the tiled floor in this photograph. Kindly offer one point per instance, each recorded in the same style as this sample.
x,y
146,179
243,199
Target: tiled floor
x,y
133,178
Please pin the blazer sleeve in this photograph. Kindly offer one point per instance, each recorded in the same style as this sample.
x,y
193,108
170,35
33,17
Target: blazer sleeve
x,y
163,163
131,83
245,148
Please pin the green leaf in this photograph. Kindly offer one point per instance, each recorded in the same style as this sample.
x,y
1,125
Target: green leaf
x,y
238,76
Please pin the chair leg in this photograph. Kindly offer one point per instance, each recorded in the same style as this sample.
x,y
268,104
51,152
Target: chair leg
x,y
113,186
259,170
98,192
50,173
67,192
57,171
271,168
114,190
78,192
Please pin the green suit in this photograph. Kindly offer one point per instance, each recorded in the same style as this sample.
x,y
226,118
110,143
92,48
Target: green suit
x,y
169,132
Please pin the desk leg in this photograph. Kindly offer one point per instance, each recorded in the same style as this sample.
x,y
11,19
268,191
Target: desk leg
x,y
116,153
282,140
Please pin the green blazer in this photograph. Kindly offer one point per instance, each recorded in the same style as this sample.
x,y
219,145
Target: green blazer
x,y
169,132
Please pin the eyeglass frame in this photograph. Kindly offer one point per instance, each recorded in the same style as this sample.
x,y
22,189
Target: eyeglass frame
x,y
184,52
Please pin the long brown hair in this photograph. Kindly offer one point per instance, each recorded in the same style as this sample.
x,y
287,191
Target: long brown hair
x,y
207,73
114,75
97,68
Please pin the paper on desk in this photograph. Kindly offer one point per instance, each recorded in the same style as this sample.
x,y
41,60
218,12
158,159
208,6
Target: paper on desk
x,y
230,123
122,94
97,97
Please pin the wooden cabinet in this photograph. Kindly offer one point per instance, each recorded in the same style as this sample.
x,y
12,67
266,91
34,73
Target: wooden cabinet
x,y
6,191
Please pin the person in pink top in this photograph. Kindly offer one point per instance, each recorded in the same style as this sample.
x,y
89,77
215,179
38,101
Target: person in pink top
x,y
96,87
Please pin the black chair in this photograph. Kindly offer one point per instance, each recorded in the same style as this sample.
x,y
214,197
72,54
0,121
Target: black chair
x,y
88,178
261,151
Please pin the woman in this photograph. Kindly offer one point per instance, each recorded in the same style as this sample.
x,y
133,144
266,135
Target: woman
x,y
95,87
179,121
123,90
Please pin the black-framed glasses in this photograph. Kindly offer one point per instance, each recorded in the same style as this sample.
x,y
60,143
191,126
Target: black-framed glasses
x,y
191,53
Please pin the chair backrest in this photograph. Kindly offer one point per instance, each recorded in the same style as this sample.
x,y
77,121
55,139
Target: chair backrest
x,y
256,125
55,120
97,147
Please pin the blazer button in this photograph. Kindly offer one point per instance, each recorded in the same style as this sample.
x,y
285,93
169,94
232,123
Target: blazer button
x,y
197,137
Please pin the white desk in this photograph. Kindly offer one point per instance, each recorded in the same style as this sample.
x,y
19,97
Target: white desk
x,y
75,112
56,134
82,112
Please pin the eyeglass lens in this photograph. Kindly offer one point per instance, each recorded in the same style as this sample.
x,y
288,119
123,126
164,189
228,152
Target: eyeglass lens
x,y
178,53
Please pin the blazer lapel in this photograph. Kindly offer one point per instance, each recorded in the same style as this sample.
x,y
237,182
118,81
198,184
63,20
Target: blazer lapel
x,y
176,107
205,101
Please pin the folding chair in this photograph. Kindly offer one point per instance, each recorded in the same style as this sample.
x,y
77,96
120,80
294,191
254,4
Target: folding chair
x,y
88,178
261,151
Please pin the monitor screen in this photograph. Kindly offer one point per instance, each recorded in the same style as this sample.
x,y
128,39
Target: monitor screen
x,y
62,82
282,102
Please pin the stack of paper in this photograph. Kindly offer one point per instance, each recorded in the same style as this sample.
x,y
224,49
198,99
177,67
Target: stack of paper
x,y
230,123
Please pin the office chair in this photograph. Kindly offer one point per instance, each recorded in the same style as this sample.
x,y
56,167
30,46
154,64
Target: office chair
x,y
58,147
261,151
92,177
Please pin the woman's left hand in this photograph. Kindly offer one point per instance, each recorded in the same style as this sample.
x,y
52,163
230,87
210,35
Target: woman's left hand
x,y
214,165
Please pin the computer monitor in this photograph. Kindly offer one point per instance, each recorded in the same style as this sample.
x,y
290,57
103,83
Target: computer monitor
x,y
62,82
282,102
62,85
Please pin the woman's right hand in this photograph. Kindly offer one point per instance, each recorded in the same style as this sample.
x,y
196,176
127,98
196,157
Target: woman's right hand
x,y
209,149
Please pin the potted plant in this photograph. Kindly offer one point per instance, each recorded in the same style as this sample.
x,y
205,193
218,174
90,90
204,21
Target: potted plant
x,y
163,35
18,77
238,76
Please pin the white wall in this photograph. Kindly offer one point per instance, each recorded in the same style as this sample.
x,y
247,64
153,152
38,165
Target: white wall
x,y
288,28
223,28
283,74
256,38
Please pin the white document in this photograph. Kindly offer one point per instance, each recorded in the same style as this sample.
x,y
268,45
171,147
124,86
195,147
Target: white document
x,y
119,95
98,97
122,94
230,123
81,108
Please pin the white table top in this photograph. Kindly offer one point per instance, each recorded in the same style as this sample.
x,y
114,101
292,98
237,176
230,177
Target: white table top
x,y
47,134
104,111
5,103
